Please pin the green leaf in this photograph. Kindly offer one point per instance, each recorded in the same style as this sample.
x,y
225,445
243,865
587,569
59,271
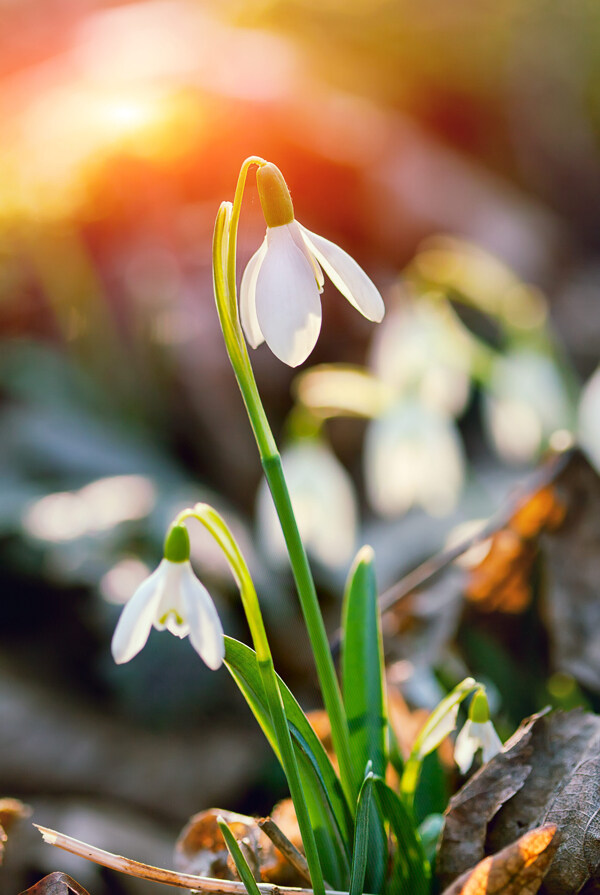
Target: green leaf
x,y
327,805
238,858
431,796
363,669
363,683
410,869
430,831
361,834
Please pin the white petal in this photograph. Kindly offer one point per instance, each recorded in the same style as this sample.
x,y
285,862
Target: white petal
x,y
137,617
296,230
288,306
465,748
347,276
170,612
248,297
490,741
206,631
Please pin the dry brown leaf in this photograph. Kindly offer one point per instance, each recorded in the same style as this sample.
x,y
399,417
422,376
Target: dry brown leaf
x,y
56,884
516,870
562,786
502,580
572,568
560,521
469,812
201,849
11,810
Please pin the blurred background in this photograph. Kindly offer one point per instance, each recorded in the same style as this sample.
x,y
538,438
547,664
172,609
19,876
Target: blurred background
x,y
454,150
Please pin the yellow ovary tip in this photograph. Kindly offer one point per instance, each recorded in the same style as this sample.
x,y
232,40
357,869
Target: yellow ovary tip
x,y
274,196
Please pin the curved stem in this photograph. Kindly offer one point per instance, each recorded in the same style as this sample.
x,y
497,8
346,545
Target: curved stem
x,y
224,247
217,527
440,723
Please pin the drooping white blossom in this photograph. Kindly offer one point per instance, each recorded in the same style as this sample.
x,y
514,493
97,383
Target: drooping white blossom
x,y
173,599
473,736
280,291
478,733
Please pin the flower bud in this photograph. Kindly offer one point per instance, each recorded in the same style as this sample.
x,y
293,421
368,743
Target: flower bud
x,y
479,709
177,544
274,196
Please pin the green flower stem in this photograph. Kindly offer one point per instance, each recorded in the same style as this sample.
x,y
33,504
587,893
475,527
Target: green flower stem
x,y
330,689
215,524
224,274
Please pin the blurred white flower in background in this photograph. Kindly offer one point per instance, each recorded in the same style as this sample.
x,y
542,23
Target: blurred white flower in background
x,y
97,507
324,503
525,403
420,348
413,457
589,418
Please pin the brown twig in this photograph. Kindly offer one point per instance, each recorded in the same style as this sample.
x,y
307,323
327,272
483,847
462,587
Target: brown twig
x,y
287,848
158,874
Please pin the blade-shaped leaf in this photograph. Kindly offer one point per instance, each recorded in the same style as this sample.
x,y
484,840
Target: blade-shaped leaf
x,y
326,802
363,682
363,669
410,869
361,835
241,864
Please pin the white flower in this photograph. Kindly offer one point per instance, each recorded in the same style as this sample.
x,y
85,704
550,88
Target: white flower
x,y
279,293
476,735
589,418
525,402
413,457
172,598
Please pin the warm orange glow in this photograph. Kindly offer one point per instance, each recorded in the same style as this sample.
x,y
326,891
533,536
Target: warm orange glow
x,y
52,145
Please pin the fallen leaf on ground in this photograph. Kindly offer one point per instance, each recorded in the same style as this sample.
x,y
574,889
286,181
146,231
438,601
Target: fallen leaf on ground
x,y
572,570
56,884
516,870
201,849
469,812
561,787
502,580
11,810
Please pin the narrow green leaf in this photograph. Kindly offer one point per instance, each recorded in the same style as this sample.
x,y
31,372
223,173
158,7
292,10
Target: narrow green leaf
x,y
326,801
410,869
239,860
361,834
363,669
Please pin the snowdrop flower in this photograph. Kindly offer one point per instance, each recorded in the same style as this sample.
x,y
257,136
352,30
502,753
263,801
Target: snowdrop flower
x,y
172,598
478,733
525,402
422,350
589,418
413,457
279,293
